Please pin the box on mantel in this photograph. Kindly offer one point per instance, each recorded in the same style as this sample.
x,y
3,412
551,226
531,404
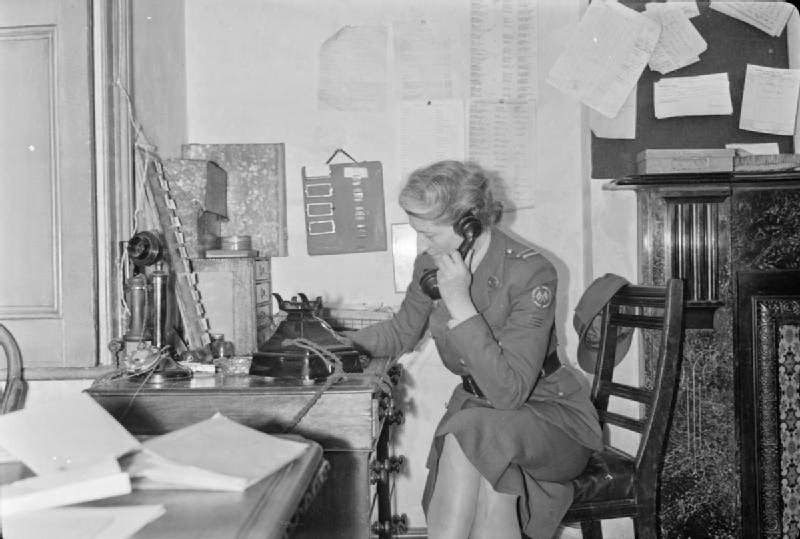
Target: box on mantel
x,y
661,161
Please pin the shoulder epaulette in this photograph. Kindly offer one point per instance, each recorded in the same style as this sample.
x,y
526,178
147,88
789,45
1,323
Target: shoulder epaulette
x,y
521,255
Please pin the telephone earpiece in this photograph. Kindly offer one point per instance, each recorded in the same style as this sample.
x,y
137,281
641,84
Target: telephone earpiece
x,y
468,227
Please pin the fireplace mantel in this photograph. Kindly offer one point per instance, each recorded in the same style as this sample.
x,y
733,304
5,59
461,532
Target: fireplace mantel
x,y
708,229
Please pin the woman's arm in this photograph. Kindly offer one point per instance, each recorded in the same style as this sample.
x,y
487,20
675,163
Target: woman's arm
x,y
402,332
506,361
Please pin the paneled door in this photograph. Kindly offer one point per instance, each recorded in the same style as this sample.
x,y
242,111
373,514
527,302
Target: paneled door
x,y
47,209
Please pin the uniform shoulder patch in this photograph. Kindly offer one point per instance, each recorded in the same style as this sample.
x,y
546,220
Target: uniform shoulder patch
x,y
542,296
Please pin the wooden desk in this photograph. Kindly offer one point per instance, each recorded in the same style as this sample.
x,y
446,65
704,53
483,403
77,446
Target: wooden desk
x,y
348,421
268,509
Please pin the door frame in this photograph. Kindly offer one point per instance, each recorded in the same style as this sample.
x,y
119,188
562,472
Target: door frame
x,y
113,174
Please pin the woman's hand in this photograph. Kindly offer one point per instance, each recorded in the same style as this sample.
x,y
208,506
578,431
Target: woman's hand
x,y
454,278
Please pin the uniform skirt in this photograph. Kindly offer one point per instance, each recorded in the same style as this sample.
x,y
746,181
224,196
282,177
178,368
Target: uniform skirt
x,y
519,452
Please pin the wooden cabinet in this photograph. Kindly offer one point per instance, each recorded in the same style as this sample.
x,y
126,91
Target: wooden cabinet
x,y
236,293
350,420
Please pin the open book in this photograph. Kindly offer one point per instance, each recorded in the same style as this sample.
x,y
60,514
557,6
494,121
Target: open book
x,y
214,454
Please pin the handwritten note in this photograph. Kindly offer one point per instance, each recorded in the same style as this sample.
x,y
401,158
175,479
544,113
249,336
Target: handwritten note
x,y
769,102
622,126
769,17
703,95
610,48
423,60
679,44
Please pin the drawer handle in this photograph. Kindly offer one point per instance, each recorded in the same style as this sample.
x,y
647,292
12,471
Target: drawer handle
x,y
387,528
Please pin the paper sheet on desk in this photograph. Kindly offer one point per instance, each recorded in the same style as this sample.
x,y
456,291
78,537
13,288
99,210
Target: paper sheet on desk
x,y
72,430
703,95
81,522
607,54
214,454
769,102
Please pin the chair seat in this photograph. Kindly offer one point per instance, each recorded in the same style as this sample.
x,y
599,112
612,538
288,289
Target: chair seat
x,y
608,476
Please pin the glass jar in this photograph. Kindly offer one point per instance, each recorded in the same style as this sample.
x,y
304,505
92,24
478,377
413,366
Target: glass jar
x,y
219,347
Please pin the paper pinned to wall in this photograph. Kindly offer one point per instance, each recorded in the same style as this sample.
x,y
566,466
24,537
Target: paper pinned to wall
x,y
423,61
404,252
353,69
609,50
769,101
622,126
679,44
504,49
702,95
502,139
429,131
769,17
689,7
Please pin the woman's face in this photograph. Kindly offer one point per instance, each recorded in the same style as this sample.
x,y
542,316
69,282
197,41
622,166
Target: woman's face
x,y
441,238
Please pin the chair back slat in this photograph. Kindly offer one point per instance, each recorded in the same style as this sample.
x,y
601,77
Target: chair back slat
x,y
659,310
636,321
638,394
612,418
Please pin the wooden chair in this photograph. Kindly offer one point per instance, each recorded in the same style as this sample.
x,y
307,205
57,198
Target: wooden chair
x,y
616,484
13,397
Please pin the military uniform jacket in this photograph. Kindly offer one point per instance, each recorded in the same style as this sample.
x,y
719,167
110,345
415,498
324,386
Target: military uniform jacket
x,y
504,346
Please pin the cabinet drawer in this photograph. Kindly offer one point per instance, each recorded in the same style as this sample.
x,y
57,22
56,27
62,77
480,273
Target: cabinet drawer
x,y
262,269
263,290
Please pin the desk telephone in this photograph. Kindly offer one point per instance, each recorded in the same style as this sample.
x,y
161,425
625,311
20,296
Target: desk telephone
x,y
468,227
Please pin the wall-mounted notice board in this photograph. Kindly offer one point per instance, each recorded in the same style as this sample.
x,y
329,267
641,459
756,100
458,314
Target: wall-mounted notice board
x,y
344,208
732,44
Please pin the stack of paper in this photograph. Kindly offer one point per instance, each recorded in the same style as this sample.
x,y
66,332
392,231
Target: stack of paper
x,y
72,445
74,485
64,433
215,454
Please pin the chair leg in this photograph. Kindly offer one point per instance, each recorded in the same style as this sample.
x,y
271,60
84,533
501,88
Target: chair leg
x,y
591,529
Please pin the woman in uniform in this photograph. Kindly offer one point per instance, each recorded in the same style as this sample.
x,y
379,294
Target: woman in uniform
x,y
520,426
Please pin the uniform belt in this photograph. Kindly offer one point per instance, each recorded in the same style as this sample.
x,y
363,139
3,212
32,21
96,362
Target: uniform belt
x,y
551,364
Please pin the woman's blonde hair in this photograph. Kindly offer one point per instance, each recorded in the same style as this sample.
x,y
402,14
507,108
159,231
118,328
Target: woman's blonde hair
x,y
445,191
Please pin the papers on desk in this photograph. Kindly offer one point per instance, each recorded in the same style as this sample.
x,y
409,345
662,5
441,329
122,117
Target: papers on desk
x,y
81,522
703,95
73,485
70,431
769,102
215,454
74,446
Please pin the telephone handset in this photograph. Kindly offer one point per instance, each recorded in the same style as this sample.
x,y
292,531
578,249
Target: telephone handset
x,y
469,227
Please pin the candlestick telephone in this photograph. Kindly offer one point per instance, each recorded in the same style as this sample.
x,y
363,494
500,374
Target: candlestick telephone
x,y
468,227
